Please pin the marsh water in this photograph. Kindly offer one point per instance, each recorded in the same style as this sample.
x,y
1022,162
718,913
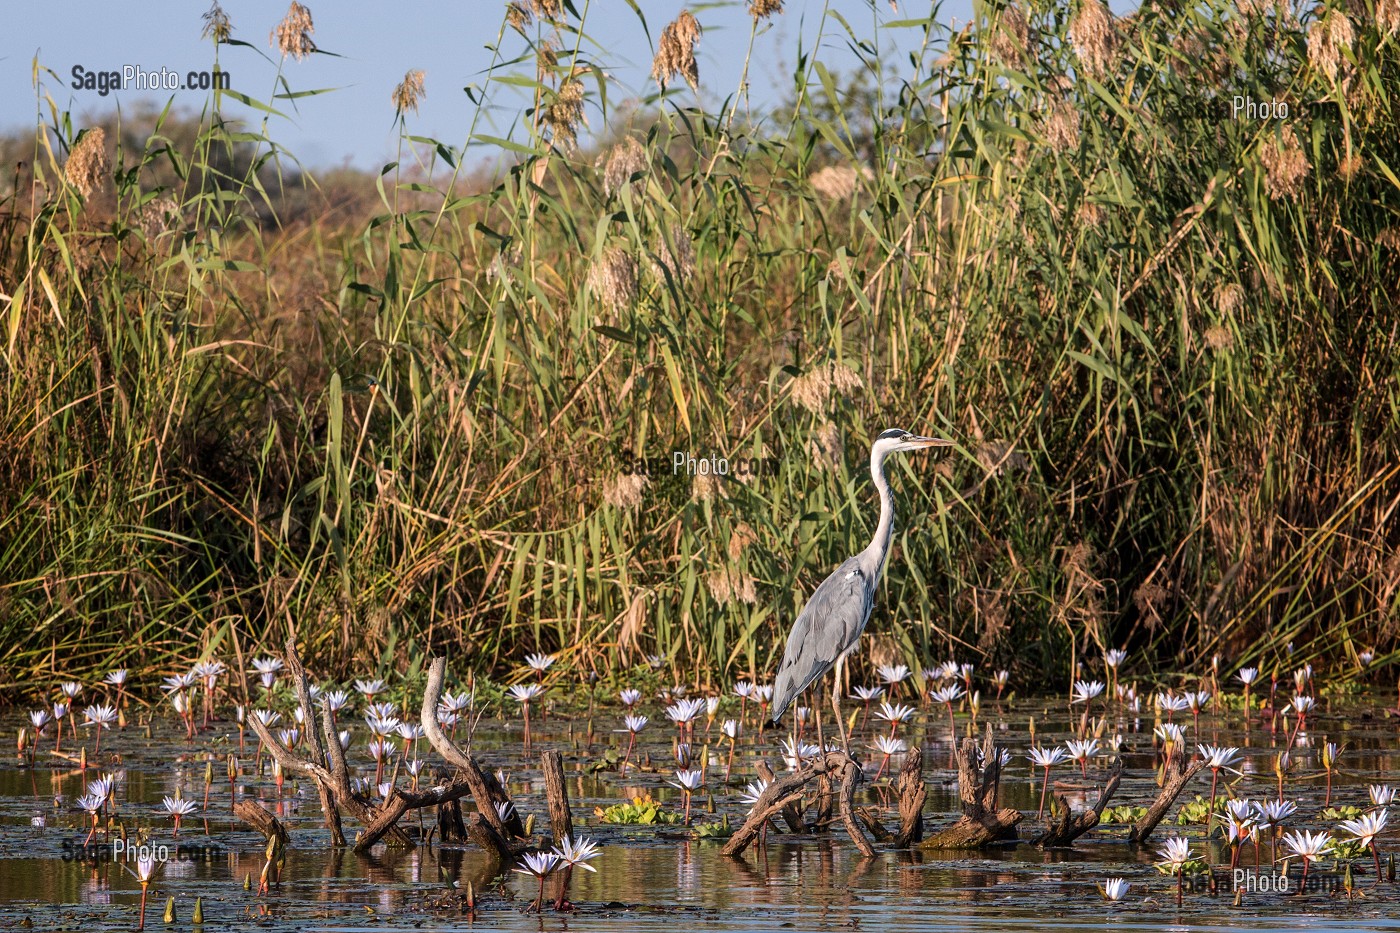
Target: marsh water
x,y
659,876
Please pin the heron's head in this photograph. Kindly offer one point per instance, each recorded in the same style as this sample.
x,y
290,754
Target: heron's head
x,y
897,439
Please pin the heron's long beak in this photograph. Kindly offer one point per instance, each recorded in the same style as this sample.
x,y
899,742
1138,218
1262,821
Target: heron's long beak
x,y
921,442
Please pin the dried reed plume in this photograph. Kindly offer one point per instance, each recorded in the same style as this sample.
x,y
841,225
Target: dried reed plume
x,y
1218,337
1078,560
1094,39
1388,17
740,538
1011,36
827,446
156,216
1257,8
620,163
216,25
837,182
1327,38
708,486
546,60
814,388
551,10
88,166
1229,298
564,114
293,35
409,92
613,279
681,264
1285,165
730,584
625,491
1088,214
765,9
1149,597
675,53
1001,456
518,16
1062,127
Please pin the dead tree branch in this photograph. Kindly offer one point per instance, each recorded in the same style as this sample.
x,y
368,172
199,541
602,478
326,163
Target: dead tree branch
x,y
343,797
1176,776
486,791
788,790
314,743
1069,826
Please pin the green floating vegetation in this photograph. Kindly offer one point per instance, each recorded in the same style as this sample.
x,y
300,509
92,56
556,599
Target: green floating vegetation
x,y
1126,813
1198,810
639,811
717,830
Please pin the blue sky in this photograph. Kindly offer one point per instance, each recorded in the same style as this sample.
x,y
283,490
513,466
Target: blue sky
x,y
377,42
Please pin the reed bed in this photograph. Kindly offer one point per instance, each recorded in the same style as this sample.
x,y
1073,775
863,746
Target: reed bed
x,y
1163,338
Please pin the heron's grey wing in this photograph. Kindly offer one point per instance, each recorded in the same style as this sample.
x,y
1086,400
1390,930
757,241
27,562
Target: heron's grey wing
x,y
829,624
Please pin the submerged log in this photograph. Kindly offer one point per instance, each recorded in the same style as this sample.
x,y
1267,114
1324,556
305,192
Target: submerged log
x,y
1177,774
481,832
981,822
1069,826
871,822
400,802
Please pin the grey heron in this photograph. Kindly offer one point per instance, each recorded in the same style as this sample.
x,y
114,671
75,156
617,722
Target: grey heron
x,y
829,626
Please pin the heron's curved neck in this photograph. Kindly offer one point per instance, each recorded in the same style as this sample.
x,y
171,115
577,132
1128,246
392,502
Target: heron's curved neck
x,y
880,544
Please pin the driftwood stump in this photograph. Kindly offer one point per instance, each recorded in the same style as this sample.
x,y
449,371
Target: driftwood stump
x,y
1069,826
450,827
1177,775
912,793
787,790
981,822
561,821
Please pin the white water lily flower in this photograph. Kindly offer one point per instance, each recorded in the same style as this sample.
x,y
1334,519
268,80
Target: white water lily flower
x,y
1113,889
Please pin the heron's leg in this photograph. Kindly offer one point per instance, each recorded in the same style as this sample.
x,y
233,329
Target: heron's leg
x,y
836,704
813,711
